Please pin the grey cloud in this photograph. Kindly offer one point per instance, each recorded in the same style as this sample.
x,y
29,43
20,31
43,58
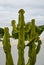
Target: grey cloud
x,y
37,12
33,9
18,6
22,3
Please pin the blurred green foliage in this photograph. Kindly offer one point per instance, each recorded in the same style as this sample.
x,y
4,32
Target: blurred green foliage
x,y
1,32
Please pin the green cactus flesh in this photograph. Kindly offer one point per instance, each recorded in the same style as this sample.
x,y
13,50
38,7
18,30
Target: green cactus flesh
x,y
21,44
7,47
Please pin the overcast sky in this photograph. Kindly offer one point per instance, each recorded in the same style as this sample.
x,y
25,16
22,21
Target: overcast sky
x,y
33,9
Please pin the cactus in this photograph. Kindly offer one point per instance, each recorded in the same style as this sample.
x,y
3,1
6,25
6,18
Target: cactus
x,y
21,39
32,46
22,32
33,51
14,31
27,28
38,29
7,47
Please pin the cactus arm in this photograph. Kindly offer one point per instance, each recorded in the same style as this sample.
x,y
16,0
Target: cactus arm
x,y
38,46
14,31
32,46
7,47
